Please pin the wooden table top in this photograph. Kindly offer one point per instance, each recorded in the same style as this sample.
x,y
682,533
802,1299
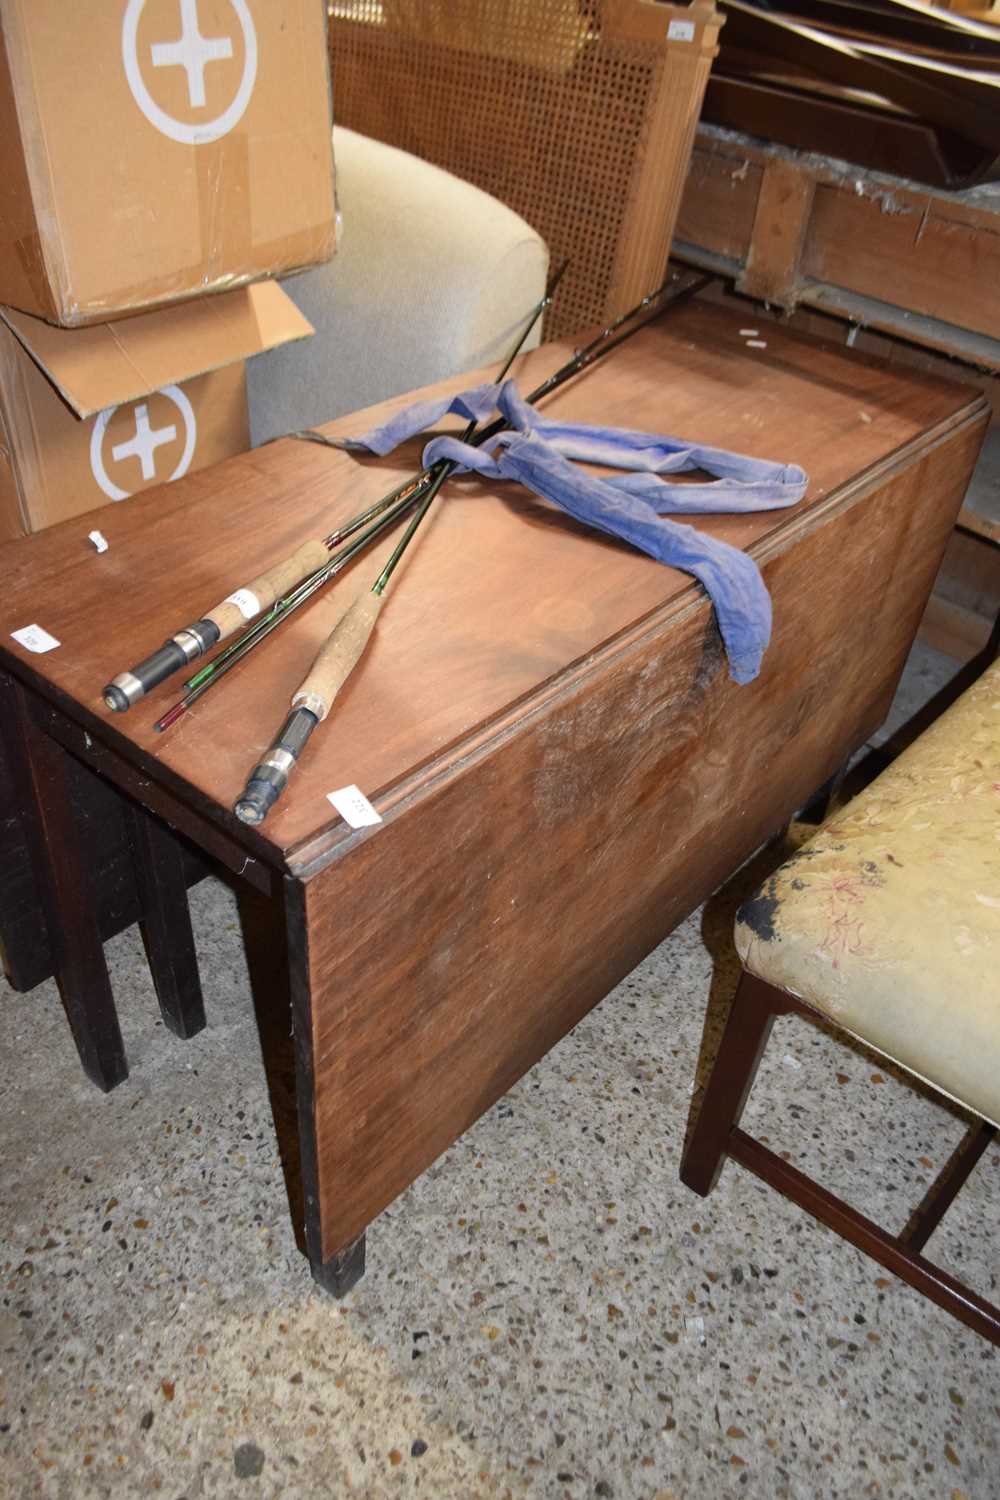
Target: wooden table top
x,y
501,597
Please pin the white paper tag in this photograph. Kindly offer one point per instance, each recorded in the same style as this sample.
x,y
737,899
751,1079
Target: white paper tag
x,y
99,540
354,807
246,602
680,31
34,638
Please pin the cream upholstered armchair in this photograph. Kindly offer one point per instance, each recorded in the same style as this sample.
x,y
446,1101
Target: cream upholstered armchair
x,y
432,276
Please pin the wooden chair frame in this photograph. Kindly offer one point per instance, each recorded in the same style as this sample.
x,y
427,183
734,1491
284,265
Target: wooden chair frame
x,y
717,1134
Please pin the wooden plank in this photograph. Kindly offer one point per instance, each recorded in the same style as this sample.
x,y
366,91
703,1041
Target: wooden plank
x,y
448,951
970,575
719,202
980,513
918,264
779,230
936,265
955,631
867,313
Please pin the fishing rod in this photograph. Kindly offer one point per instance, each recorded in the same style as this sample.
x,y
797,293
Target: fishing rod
x,y
309,566
405,496
286,606
409,491
313,699
247,602
217,668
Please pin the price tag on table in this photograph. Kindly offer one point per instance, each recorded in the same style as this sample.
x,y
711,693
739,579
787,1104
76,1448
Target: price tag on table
x,y
354,807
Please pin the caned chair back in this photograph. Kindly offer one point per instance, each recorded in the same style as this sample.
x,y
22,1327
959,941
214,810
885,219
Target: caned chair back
x,y
578,114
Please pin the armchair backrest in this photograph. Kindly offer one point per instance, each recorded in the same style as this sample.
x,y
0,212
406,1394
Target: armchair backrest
x,y
578,114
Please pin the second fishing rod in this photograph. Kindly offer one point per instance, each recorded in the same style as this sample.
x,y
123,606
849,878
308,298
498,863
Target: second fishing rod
x,y
253,607
417,491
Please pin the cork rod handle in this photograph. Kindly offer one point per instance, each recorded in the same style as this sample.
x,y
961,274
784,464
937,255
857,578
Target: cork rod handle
x,y
341,654
241,606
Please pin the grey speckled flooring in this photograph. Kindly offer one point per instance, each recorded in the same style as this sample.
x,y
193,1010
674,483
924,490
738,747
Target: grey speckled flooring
x,y
547,1312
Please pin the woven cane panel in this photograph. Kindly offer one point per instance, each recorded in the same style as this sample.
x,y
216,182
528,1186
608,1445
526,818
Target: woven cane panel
x,y
566,110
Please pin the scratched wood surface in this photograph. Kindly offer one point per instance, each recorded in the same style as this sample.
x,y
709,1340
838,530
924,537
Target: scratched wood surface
x,y
503,596
452,948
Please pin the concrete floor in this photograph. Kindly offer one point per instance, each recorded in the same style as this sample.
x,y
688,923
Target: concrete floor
x,y
547,1312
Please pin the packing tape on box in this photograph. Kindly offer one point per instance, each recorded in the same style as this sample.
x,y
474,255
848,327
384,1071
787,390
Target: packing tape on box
x,y
222,171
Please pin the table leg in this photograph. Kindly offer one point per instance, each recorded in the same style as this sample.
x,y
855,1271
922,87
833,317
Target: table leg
x,y
39,772
275,954
165,919
342,1271
276,942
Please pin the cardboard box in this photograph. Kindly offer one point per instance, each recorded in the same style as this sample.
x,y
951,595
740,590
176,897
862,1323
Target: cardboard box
x,y
155,149
96,414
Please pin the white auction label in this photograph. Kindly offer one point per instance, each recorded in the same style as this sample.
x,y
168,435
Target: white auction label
x,y
680,31
354,807
99,540
34,638
246,602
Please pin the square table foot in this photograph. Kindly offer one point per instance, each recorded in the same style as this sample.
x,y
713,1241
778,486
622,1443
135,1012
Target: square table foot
x,y
342,1271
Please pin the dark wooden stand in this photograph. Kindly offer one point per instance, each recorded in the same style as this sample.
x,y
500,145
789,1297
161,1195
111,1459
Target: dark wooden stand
x,y
544,721
93,863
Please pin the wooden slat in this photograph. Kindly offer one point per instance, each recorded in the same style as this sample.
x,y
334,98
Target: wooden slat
x,y
781,222
935,263
956,631
719,202
920,264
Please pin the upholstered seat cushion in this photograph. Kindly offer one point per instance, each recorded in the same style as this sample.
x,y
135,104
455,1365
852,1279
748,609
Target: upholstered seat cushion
x,y
888,920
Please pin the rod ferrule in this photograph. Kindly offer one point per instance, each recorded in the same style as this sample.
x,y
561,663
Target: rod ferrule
x,y
194,640
313,702
122,691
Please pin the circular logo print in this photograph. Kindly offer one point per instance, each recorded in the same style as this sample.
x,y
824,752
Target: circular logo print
x,y
144,443
194,53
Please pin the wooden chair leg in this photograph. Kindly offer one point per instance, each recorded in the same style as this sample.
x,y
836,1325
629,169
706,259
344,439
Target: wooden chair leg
x,y
946,1186
889,1250
733,1072
821,803
717,1135
161,881
66,889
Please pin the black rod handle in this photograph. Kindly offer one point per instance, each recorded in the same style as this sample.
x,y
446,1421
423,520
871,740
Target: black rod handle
x,y
186,646
269,776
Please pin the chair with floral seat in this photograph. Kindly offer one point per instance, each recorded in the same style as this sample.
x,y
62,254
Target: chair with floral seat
x,y
887,924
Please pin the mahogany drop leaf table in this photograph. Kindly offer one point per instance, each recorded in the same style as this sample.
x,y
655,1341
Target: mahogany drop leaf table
x,y
544,722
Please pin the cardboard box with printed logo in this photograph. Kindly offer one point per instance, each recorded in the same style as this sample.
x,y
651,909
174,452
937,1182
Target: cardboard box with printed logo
x,y
153,150
96,414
